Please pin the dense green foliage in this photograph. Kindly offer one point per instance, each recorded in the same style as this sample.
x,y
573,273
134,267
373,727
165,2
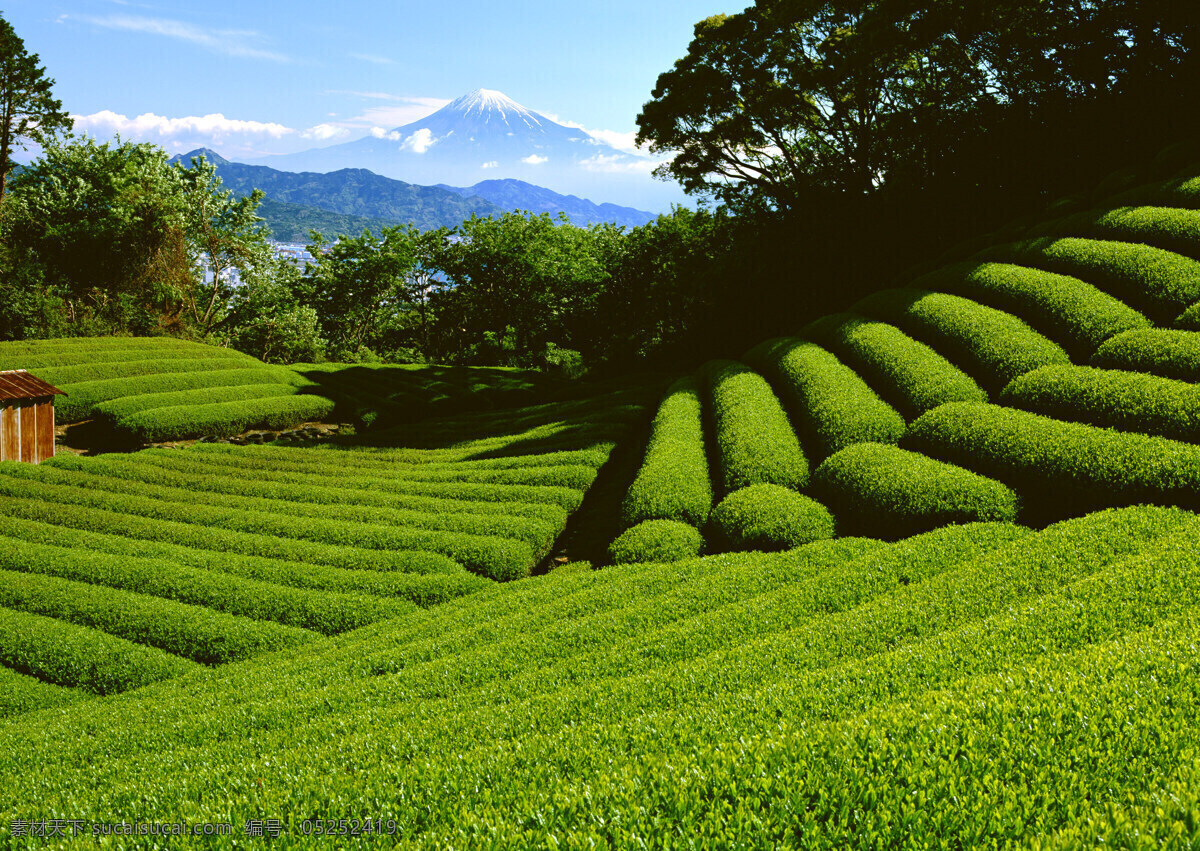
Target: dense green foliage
x,y
223,419
971,658
992,346
1156,282
1168,228
1071,312
1158,351
1059,469
754,440
1127,401
831,407
673,482
656,541
910,375
768,517
886,492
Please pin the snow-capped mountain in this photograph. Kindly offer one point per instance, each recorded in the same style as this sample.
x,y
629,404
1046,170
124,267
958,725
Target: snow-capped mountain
x,y
485,135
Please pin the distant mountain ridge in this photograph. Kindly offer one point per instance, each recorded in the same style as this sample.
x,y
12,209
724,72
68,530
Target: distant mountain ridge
x,y
485,135
348,200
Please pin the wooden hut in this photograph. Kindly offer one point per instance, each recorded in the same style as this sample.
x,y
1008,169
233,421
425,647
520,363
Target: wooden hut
x,y
26,417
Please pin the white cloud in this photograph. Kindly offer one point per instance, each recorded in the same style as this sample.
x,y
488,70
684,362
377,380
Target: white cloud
x,y
533,159
240,43
619,164
622,141
149,124
490,164
374,60
419,142
383,133
324,132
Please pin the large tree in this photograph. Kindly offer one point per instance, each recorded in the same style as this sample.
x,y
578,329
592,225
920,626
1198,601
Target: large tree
x,y
794,97
28,110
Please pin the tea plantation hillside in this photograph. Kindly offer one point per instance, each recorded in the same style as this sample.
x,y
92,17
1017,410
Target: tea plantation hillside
x,y
125,569
1045,378
979,685
148,390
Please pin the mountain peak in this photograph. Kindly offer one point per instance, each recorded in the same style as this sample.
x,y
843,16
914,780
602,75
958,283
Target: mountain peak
x,y
484,103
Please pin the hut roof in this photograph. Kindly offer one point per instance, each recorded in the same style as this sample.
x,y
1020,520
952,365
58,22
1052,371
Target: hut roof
x,y
20,384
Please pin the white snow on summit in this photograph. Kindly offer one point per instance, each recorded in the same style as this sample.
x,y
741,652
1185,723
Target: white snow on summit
x,y
487,102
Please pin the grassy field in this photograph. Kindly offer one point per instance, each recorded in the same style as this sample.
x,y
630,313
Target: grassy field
x,y
922,575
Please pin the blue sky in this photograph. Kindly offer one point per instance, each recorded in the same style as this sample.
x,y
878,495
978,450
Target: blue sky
x,y
260,76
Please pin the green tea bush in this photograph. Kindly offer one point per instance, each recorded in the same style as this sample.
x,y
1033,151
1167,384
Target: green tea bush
x,y
69,655
887,492
656,541
1168,228
910,375
388,487
1069,311
1181,192
992,346
345,502
831,407
22,693
222,419
84,396
673,482
35,502
80,373
1158,283
426,588
1158,351
1111,398
45,357
193,632
324,612
769,517
117,410
754,440
536,533
1060,469
324,541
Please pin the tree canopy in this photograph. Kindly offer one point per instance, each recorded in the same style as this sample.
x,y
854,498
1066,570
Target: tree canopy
x,y
28,110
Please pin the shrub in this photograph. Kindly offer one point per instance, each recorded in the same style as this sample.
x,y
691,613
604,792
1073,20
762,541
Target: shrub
x,y
69,655
86,395
769,517
829,404
656,541
887,492
754,440
673,482
1158,283
1060,469
1111,398
22,693
1069,311
425,588
992,346
324,612
1168,228
1178,192
910,375
1159,351
117,410
84,372
180,422
193,632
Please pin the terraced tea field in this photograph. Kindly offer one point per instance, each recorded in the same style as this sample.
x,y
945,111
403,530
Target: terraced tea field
x,y
922,575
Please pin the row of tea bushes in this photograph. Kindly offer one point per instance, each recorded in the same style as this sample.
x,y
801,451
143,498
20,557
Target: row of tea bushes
x,y
991,346
1126,401
1157,351
1158,283
1073,313
753,439
909,374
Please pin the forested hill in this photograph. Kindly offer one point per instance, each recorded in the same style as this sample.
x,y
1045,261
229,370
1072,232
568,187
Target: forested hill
x,y
367,198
